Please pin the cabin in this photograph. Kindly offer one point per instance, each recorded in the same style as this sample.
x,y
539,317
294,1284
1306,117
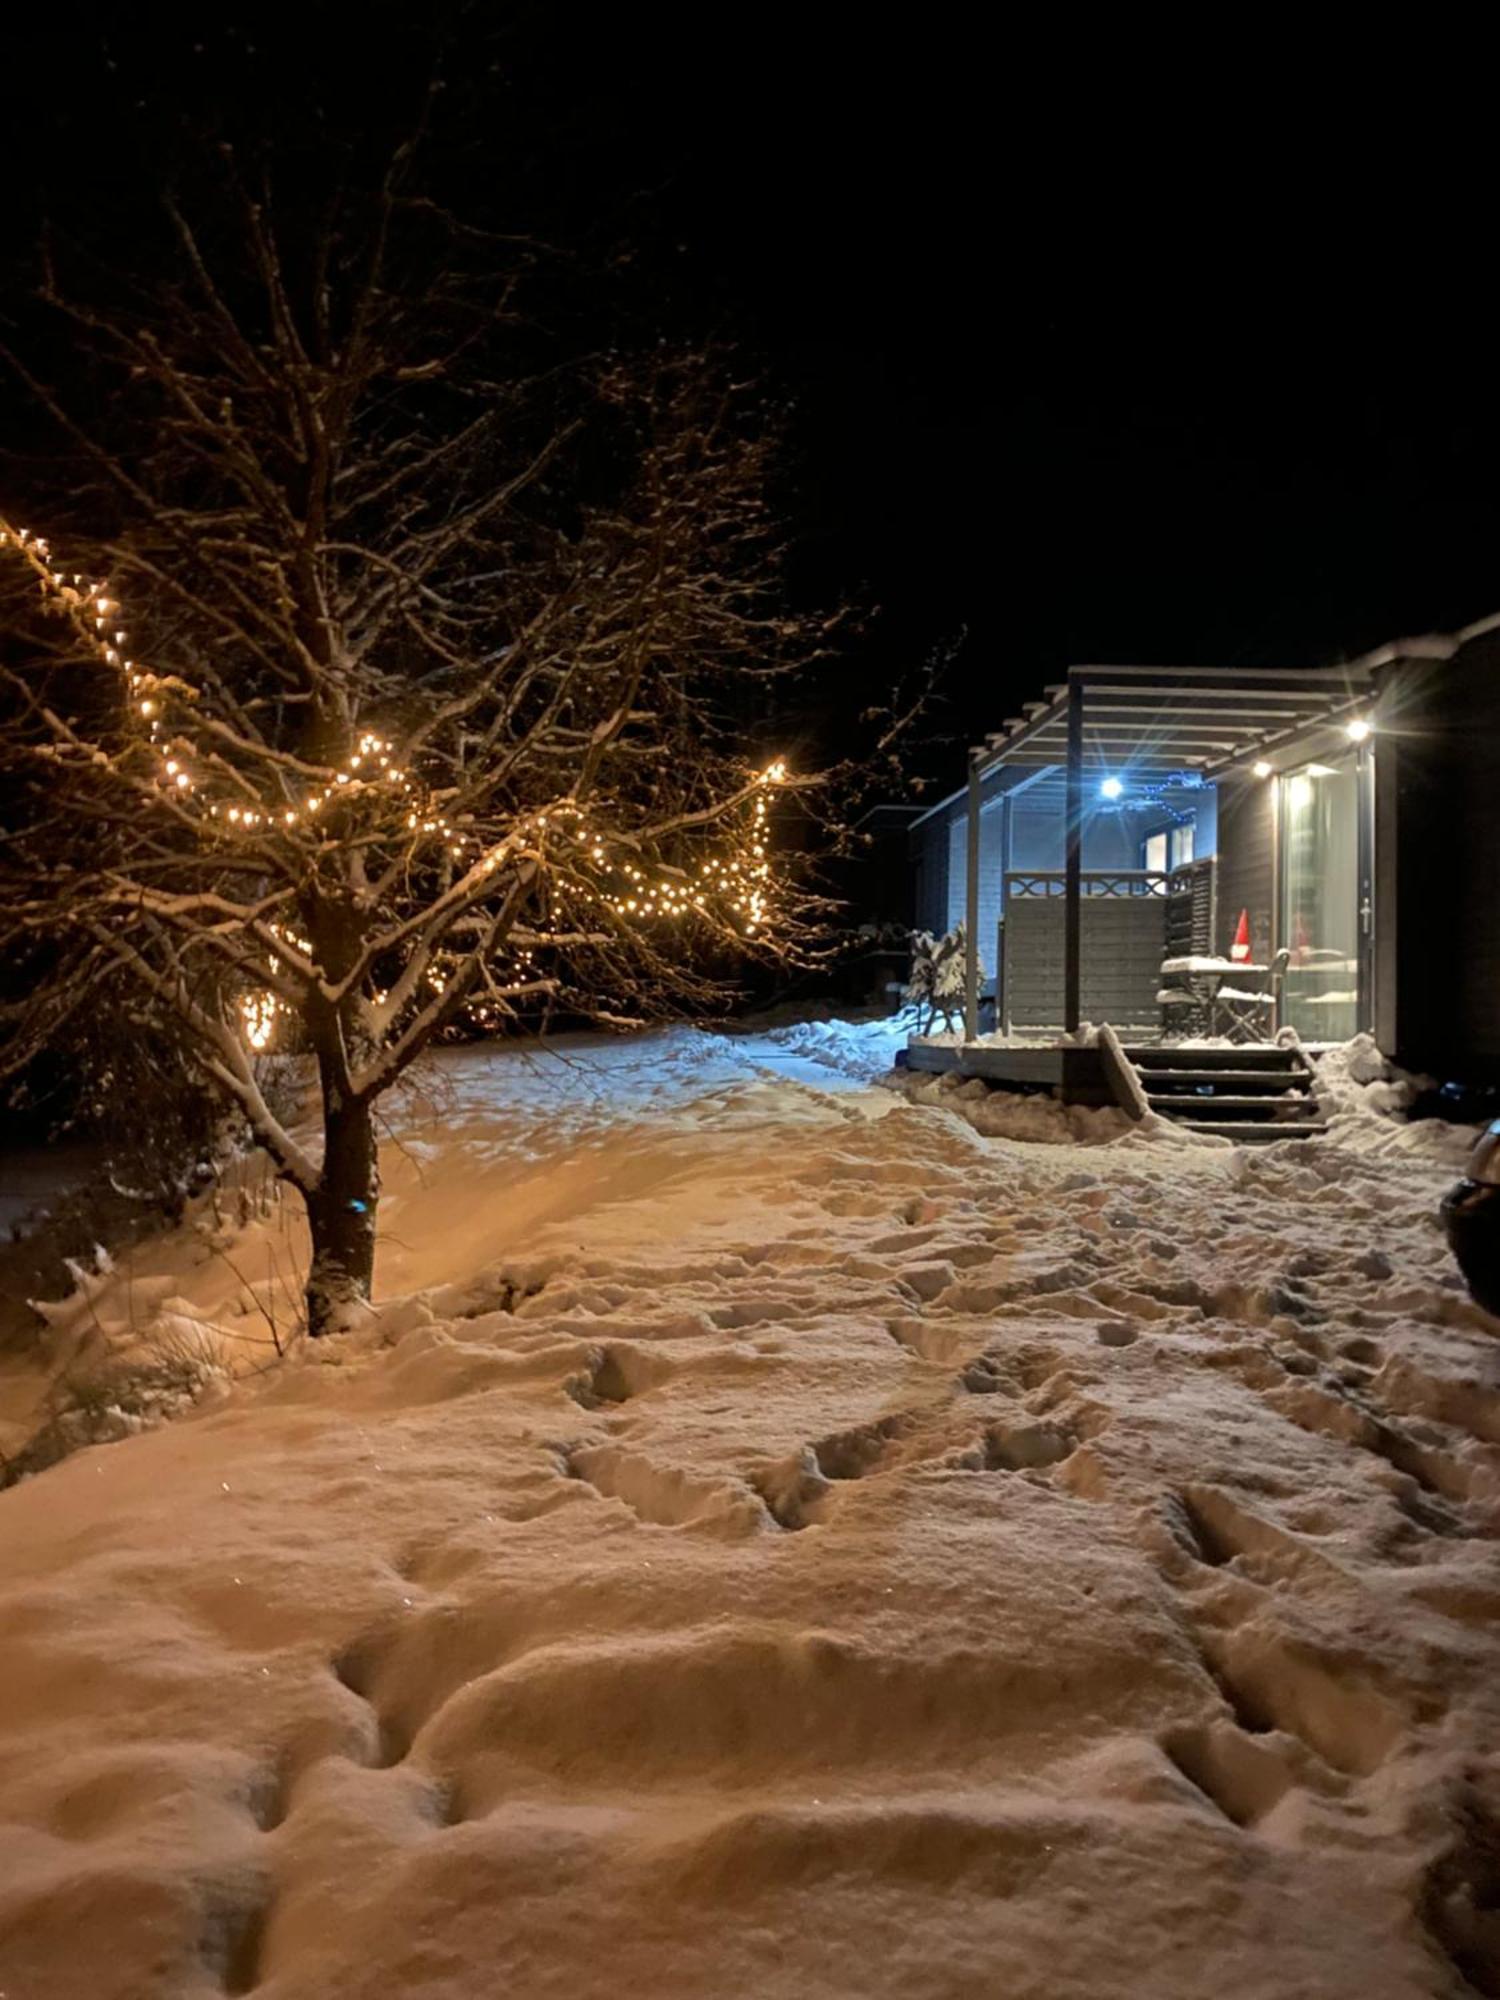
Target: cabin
x,y
1195,855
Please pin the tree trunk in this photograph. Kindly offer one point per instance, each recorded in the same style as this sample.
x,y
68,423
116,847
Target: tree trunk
x,y
341,1216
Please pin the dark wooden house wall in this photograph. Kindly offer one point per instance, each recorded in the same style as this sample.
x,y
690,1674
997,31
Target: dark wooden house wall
x,y
1439,726
1247,864
929,853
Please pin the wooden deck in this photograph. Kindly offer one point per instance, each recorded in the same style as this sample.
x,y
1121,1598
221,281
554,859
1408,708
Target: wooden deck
x,y
1076,1076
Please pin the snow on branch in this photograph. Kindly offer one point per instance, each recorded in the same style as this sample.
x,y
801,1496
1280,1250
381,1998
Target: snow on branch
x,y
386,681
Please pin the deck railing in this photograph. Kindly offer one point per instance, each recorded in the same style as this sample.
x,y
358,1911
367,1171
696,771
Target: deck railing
x,y
1092,882
1112,881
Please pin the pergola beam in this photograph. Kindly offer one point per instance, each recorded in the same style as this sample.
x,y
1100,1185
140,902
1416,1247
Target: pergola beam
x,y
1243,679
1130,742
1202,720
1196,762
1269,744
1112,702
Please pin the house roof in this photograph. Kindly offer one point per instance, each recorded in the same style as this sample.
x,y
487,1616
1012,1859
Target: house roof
x,y
1203,719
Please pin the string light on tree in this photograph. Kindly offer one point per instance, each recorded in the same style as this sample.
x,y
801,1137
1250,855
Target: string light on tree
x,y
732,884
341,748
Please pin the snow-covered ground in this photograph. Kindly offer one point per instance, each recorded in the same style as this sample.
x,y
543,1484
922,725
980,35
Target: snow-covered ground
x,y
775,1539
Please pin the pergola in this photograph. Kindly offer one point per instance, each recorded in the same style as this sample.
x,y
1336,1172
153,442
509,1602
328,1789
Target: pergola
x,y
1107,721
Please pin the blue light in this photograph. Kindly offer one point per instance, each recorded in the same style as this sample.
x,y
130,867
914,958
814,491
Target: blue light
x,y
1111,788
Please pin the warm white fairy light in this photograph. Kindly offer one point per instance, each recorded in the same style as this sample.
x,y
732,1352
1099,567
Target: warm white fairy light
x,y
91,610
736,884
744,883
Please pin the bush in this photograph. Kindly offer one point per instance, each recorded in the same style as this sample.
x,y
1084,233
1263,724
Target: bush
x,y
937,975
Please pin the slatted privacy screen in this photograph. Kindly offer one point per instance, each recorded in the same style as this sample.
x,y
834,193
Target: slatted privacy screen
x,y
1131,919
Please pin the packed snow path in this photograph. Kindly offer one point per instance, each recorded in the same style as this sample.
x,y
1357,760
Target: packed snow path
x,y
787,1543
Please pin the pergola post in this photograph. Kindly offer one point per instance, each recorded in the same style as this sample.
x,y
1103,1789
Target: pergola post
x,y
971,905
1073,862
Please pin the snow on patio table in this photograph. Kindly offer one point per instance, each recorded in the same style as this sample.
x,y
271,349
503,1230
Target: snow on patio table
x,y
789,1544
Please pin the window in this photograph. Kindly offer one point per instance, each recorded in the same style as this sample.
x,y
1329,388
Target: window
x,y
1320,894
1169,846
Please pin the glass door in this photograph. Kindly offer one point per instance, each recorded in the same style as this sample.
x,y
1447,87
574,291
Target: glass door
x,y
1324,899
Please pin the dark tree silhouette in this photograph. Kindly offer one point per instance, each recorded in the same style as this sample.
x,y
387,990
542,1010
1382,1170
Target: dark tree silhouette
x,y
400,667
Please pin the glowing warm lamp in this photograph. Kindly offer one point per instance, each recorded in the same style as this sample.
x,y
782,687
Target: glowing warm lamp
x,y
1357,730
1261,768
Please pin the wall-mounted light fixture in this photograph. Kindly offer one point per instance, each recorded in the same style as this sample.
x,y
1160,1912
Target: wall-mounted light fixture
x,y
1357,730
1261,768
1111,788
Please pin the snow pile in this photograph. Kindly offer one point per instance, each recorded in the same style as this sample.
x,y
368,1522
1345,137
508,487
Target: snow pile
x,y
1004,1115
995,1038
1361,1096
863,1050
1365,1100
777,1541
1010,1114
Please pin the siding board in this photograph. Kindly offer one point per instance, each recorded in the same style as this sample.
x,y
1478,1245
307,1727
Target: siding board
x,y
1443,720
1246,873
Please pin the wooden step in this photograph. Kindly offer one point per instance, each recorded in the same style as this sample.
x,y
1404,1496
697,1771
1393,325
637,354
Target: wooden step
x,y
1251,1131
1170,1104
1242,1055
1270,1079
1263,1081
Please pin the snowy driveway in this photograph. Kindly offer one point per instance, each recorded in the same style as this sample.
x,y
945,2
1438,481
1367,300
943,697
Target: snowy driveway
x,y
786,1543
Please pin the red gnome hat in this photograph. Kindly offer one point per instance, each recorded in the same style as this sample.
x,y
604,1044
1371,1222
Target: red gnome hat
x,y
1240,949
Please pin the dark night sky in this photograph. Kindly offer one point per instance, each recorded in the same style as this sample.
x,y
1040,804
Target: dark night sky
x,y
1125,350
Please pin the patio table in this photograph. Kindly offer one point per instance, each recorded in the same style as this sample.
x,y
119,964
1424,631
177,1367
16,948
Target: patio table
x,y
1205,982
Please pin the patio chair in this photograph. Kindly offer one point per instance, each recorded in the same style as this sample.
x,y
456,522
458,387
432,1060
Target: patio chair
x,y
1245,1013
1249,1014
1243,1016
1183,1013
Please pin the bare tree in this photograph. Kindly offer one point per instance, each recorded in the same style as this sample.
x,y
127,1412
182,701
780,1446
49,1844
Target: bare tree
x,y
400,667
